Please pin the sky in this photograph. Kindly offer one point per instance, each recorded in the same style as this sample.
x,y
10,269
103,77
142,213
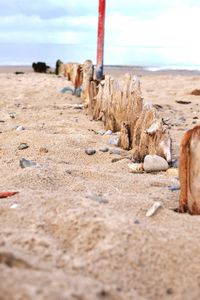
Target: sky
x,y
162,24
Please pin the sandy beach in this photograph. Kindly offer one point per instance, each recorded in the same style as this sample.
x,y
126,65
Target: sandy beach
x,y
77,229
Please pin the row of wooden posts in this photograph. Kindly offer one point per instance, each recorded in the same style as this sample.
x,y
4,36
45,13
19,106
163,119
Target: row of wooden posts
x,y
119,104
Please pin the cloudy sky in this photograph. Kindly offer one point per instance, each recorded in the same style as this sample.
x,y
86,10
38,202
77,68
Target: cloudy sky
x,y
129,23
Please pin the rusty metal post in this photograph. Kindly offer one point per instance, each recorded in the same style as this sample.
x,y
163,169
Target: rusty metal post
x,y
100,40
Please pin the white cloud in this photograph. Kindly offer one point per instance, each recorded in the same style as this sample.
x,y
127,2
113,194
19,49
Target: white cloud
x,y
173,28
57,30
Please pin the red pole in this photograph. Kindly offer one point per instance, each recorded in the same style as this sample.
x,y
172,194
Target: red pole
x,y
100,40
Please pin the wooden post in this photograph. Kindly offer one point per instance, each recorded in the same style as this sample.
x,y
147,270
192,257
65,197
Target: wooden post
x,y
100,40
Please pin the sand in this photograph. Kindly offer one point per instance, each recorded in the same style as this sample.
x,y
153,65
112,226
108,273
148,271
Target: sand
x,y
78,227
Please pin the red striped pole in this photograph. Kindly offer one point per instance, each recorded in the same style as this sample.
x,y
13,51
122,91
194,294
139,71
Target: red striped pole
x,y
100,40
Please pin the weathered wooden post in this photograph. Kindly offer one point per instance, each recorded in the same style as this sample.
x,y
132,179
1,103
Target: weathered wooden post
x,y
100,40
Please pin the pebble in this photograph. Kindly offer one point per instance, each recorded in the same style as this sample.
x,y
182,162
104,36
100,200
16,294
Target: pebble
x,y
115,151
174,187
90,151
114,140
20,128
153,209
104,149
182,119
195,92
43,150
136,167
12,115
14,205
66,90
136,221
25,163
155,163
22,146
108,132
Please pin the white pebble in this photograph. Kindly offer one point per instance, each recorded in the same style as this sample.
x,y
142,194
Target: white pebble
x,y
20,128
153,209
155,163
14,205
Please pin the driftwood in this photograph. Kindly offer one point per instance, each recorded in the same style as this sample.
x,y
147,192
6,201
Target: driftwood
x,y
119,104
189,172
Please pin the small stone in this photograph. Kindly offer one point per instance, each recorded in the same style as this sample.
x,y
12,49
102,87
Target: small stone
x,y
90,151
136,221
136,167
114,140
153,209
196,92
66,90
155,163
169,291
25,163
12,115
14,205
43,150
182,119
174,187
20,128
115,151
104,149
108,132
22,146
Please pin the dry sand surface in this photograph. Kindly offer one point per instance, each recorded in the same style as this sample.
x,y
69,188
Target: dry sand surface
x,y
78,229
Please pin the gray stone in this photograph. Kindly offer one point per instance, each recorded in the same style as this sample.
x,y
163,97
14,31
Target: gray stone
x,y
90,151
155,163
67,90
22,146
114,140
174,187
104,149
25,163
115,151
136,221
